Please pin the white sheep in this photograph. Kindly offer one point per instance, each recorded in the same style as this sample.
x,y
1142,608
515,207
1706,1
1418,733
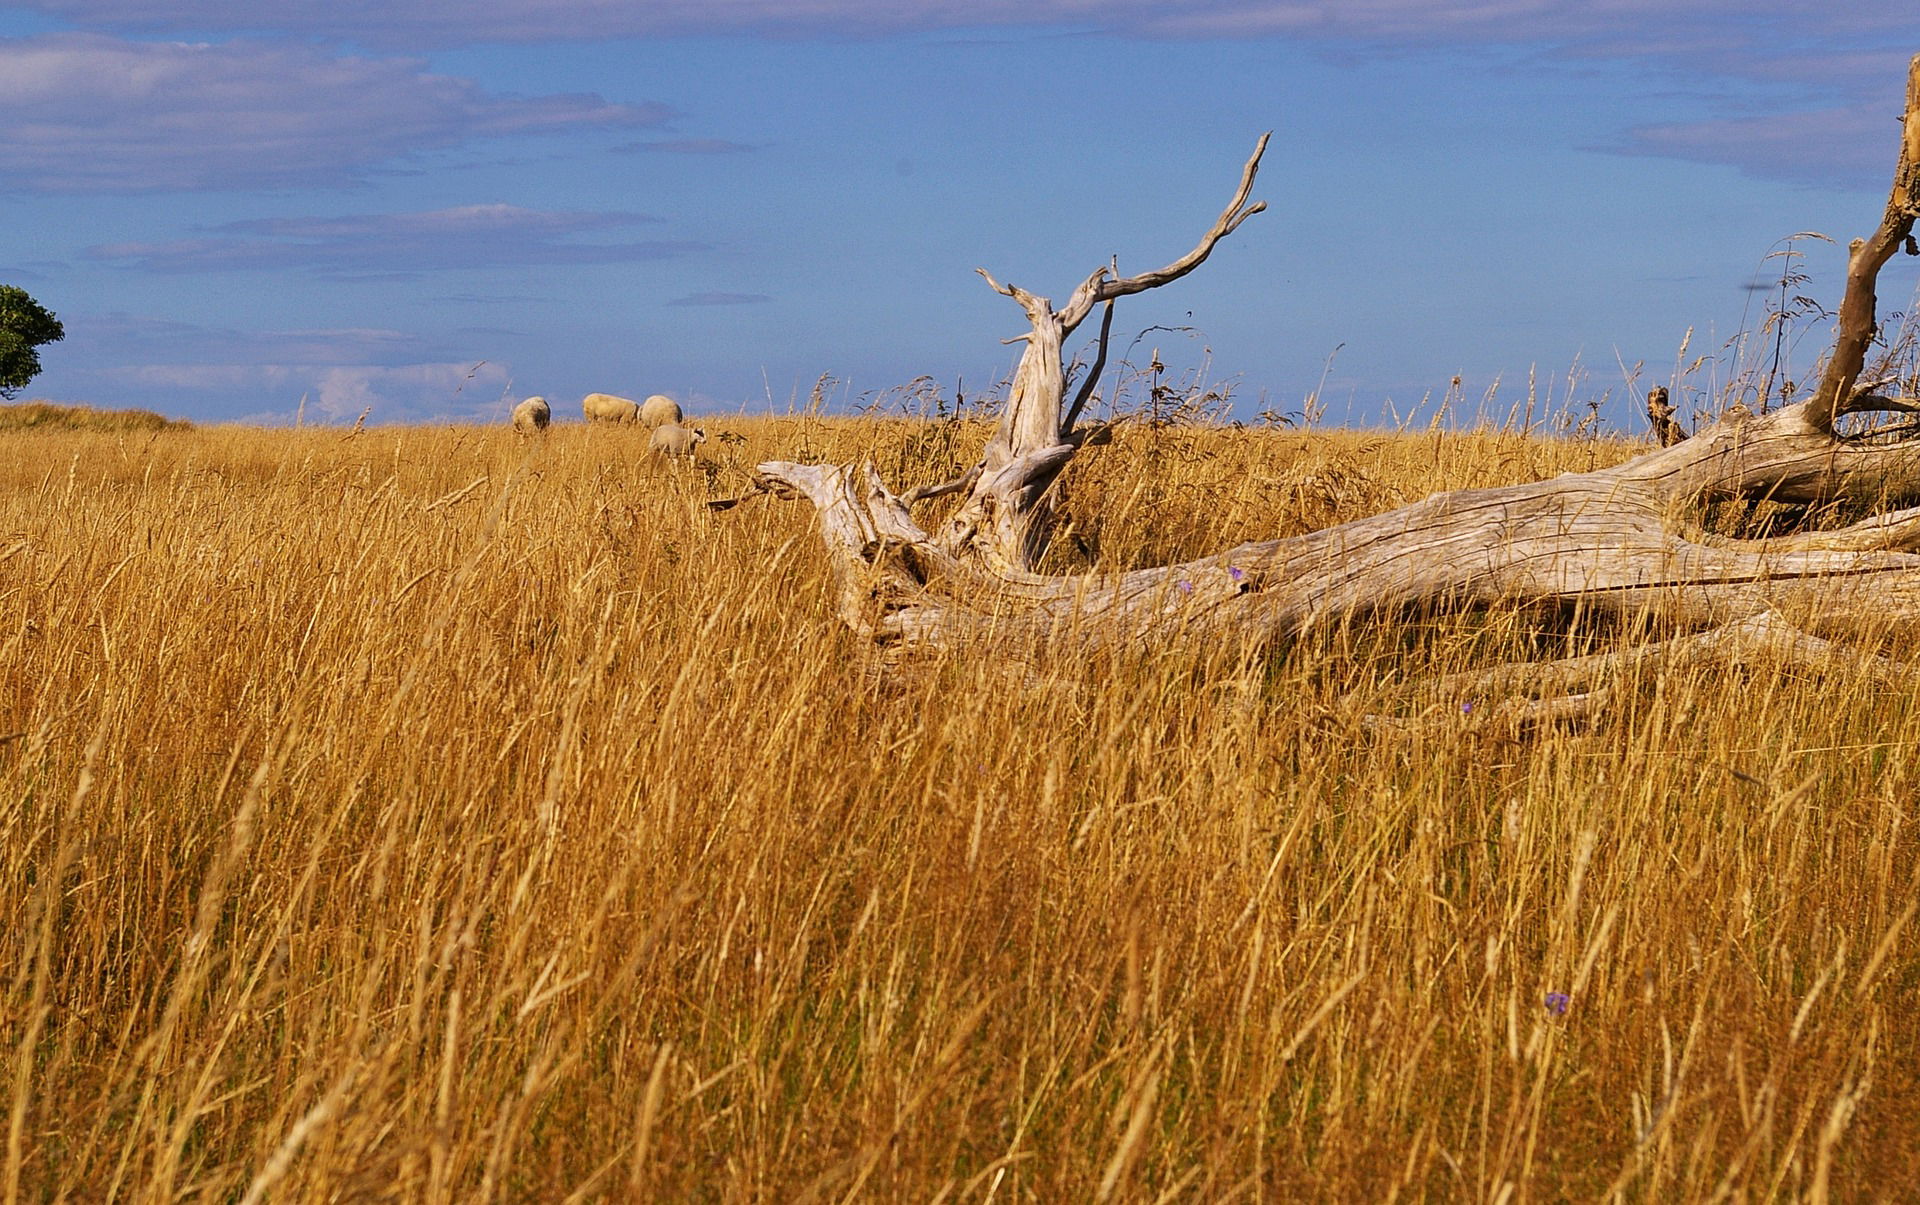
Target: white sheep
x,y
672,439
659,410
606,408
532,416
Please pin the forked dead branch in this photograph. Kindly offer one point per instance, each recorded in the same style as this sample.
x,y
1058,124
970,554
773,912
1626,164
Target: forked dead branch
x,y
1631,539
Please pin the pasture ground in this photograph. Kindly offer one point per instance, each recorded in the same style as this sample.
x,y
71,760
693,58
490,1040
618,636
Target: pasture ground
x,y
435,815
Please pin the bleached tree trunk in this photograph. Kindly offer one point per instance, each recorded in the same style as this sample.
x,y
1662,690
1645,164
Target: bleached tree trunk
x,y
1627,539
1005,518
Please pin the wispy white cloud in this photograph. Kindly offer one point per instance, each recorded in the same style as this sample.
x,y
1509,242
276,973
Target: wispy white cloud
x,y
448,22
453,391
443,391
721,299
130,116
1835,146
167,341
462,221
178,366
1624,27
685,146
93,113
511,299
468,236
460,22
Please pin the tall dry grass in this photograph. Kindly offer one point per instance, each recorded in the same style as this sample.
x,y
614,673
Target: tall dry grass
x,y
432,816
52,416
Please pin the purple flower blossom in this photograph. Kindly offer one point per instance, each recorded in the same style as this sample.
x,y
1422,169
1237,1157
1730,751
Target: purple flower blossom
x,y
1236,573
1186,587
1557,1003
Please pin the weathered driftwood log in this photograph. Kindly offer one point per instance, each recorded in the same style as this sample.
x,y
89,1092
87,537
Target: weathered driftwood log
x,y
1628,539
1625,539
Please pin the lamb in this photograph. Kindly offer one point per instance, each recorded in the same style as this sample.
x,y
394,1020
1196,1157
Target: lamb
x,y
672,439
532,416
606,408
659,410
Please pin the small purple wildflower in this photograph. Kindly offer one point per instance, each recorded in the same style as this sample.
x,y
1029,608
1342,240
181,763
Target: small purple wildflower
x,y
1466,709
1557,1003
1186,587
1236,573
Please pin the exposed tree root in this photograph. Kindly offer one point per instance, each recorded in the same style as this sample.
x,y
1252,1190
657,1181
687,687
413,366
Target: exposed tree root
x,y
1531,694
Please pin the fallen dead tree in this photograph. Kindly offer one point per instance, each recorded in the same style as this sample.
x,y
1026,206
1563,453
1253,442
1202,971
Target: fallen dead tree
x,y
1630,540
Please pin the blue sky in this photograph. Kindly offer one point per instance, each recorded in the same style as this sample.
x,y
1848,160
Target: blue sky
x,y
434,207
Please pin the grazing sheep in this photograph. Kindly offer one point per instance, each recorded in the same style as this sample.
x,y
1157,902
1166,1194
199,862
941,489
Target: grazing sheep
x,y
532,416
659,410
672,439
606,408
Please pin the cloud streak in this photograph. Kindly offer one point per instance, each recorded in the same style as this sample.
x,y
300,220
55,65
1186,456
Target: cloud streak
x,y
168,342
1839,147
459,22
263,374
698,299
685,146
456,391
258,113
96,114
468,236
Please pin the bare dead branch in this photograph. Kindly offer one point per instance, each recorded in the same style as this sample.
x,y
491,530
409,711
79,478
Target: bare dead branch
x,y
1865,257
963,481
1874,403
730,503
1081,398
1101,287
1030,302
1530,694
1763,639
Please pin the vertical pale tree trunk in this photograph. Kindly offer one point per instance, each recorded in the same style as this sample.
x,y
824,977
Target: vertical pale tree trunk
x,y
1005,520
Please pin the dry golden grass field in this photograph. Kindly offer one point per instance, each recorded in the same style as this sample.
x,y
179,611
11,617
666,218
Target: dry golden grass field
x,y
435,815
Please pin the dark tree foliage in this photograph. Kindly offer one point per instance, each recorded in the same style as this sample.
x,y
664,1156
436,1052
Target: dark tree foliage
x,y
24,325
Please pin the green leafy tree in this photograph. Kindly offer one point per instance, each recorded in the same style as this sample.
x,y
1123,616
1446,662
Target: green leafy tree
x,y
24,325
